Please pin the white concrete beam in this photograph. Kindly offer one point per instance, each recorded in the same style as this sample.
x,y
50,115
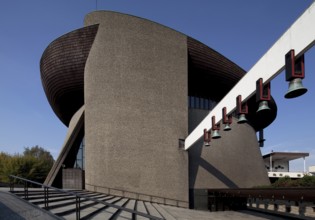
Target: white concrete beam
x,y
300,37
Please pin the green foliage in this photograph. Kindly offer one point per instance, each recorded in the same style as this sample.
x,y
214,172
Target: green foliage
x,y
283,182
287,182
306,181
34,164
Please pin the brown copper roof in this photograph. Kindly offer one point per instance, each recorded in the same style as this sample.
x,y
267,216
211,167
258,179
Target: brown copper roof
x,y
211,75
62,71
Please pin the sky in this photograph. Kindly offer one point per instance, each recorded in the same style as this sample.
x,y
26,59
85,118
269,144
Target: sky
x,y
241,30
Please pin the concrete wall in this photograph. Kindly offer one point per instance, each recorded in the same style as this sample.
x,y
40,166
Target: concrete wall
x,y
69,149
136,109
278,166
232,161
72,178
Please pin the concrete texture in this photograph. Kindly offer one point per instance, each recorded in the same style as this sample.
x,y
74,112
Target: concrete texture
x,y
73,178
69,149
13,208
136,108
233,161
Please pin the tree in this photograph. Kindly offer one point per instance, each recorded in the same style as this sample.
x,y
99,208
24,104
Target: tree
x,y
37,163
4,163
34,164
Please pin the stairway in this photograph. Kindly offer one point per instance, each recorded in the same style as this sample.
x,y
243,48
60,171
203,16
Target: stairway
x,y
65,206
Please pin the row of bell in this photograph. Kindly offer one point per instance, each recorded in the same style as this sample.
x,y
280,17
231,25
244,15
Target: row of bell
x,y
295,89
216,134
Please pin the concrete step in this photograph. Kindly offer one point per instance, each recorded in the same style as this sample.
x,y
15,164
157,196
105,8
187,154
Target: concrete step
x,y
163,212
152,210
67,202
71,208
140,207
33,195
38,199
128,215
98,211
64,206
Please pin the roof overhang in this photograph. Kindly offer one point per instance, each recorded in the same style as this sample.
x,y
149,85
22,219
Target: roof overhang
x,y
284,156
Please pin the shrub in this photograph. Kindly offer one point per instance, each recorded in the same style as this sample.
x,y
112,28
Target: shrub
x,y
307,181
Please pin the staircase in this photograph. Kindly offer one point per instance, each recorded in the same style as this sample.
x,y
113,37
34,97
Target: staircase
x,y
93,205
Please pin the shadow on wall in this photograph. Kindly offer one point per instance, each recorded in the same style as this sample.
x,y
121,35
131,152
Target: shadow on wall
x,y
196,161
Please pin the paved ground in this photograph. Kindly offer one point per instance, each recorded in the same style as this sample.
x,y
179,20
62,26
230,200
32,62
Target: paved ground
x,y
188,214
14,208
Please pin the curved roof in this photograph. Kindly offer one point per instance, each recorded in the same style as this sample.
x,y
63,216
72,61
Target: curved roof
x,y
210,74
62,71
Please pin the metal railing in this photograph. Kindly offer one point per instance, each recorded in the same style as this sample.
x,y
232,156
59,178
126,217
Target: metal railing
x,y
298,202
77,196
145,197
295,194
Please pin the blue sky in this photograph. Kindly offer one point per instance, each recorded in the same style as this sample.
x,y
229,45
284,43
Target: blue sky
x,y
240,30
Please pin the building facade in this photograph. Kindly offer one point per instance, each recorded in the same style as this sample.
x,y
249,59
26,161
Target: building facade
x,y
130,90
278,165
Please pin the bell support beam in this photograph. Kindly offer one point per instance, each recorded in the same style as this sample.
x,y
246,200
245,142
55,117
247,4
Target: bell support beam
x,y
300,37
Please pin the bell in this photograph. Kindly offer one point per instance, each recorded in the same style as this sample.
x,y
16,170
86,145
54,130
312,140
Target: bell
x,y
242,119
227,127
263,105
295,88
216,134
207,144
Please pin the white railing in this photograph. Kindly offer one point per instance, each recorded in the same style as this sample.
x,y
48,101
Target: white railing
x,y
289,174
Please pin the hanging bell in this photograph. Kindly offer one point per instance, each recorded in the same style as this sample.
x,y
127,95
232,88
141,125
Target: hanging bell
x,y
242,119
263,105
295,88
227,127
207,143
216,134
206,137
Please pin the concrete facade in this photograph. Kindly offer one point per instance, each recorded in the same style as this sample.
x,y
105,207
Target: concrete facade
x,y
73,178
225,164
136,108
69,149
137,83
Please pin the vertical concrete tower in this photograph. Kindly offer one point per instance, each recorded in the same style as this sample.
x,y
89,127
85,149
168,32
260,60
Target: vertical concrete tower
x,y
136,108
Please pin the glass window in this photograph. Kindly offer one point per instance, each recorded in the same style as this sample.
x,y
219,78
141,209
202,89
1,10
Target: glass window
x,y
201,103
79,162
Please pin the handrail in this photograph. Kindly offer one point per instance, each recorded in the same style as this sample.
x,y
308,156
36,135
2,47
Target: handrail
x,y
78,197
297,202
143,194
297,194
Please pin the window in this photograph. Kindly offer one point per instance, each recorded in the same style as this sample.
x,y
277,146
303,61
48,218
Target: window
x,y
79,162
200,103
